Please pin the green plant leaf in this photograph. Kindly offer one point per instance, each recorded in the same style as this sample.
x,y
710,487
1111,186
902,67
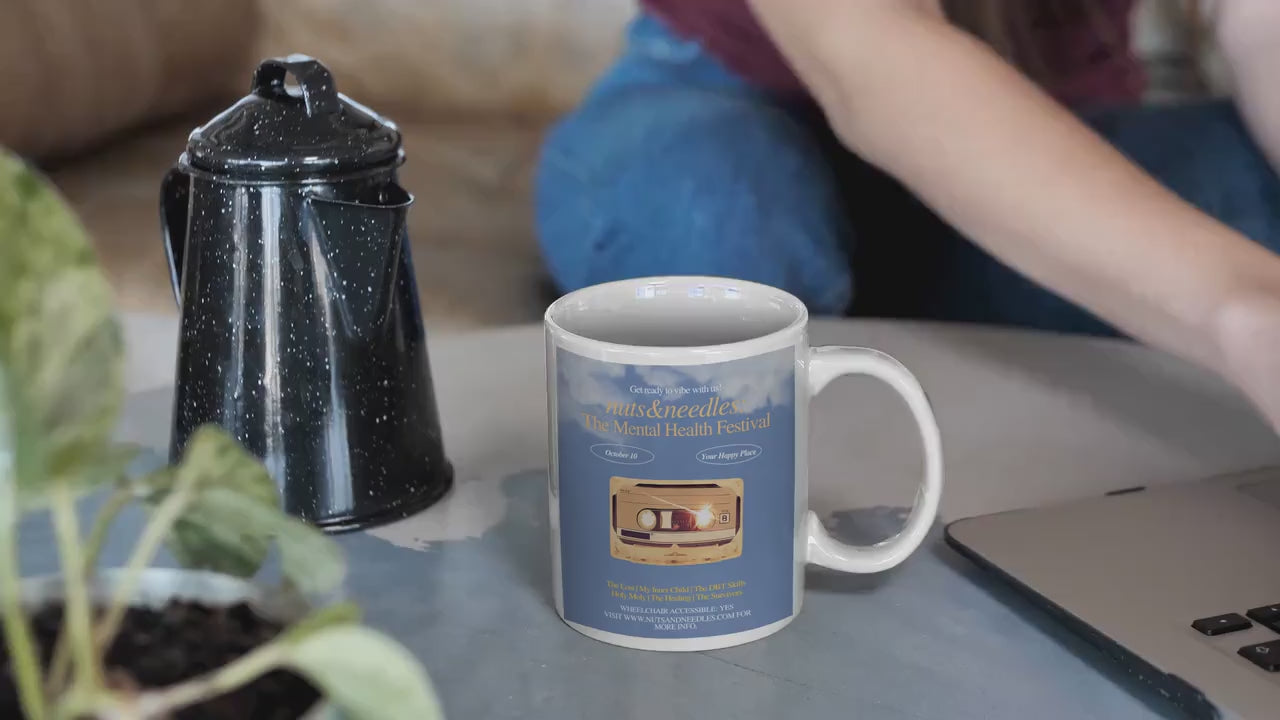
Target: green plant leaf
x,y
68,354
59,340
213,459
204,539
346,613
201,539
235,516
210,535
44,236
309,559
366,674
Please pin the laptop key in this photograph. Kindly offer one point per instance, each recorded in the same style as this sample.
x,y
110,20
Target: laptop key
x,y
1221,624
1265,656
1267,616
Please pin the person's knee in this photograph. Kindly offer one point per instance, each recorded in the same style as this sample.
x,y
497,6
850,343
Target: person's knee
x,y
666,182
565,215
1204,153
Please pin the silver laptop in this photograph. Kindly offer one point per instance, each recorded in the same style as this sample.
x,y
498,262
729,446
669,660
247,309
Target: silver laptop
x,y
1180,584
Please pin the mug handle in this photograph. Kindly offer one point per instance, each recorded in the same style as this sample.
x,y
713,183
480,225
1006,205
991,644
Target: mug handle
x,y
827,364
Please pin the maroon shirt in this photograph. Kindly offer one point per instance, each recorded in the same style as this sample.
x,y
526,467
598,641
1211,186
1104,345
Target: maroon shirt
x,y
1083,66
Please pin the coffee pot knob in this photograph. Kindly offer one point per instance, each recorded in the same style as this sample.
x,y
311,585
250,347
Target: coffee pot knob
x,y
316,82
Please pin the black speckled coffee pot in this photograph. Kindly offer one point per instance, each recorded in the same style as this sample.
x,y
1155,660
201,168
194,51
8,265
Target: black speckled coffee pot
x,y
301,332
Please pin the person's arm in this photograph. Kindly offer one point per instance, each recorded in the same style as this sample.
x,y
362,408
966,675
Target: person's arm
x,y
1248,34
1020,176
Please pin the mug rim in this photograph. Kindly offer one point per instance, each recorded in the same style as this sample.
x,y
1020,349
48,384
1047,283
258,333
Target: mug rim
x,y
581,344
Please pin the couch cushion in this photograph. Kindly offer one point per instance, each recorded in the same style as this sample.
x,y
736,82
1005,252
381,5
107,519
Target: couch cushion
x,y
473,247
436,58
76,72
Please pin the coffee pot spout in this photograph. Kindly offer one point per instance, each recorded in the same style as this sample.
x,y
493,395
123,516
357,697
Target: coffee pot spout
x,y
355,247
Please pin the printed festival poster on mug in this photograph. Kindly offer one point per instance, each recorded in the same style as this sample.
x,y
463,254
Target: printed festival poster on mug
x,y
677,494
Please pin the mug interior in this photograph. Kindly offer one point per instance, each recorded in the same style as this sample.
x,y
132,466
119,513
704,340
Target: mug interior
x,y
676,312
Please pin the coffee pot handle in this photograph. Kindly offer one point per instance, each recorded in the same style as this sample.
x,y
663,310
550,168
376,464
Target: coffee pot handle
x,y
175,197
318,90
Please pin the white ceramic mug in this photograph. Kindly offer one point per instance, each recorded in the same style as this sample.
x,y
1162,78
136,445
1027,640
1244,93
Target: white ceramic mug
x,y
678,411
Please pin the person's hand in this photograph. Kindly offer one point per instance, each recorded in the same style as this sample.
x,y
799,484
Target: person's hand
x,y
1248,342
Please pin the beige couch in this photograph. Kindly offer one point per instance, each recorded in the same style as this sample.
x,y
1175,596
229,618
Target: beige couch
x,y
104,92
108,89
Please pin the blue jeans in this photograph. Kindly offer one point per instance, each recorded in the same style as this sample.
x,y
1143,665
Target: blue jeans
x,y
674,165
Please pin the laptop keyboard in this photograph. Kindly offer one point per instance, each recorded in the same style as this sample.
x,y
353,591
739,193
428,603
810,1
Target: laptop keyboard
x,y
1221,624
1265,655
1267,616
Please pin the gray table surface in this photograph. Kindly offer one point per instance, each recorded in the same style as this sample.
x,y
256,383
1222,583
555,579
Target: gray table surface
x,y
1026,419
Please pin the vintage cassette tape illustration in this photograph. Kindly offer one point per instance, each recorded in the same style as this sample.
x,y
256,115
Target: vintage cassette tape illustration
x,y
674,522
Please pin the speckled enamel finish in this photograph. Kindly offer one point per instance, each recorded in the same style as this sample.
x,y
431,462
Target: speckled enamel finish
x,y
301,332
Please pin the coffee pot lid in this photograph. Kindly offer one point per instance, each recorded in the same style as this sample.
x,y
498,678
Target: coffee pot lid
x,y
283,132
